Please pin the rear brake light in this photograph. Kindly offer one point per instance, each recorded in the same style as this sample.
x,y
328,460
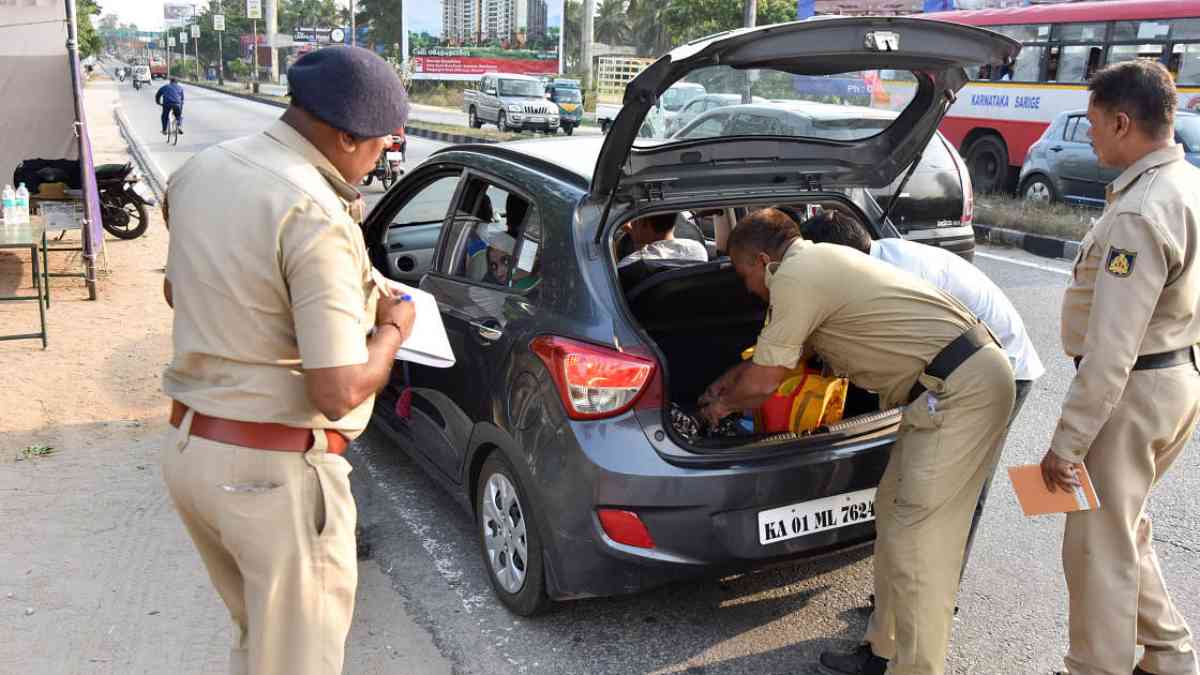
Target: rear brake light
x,y
625,527
964,176
594,382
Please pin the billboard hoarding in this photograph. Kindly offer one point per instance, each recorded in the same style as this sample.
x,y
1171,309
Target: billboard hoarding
x,y
464,39
177,14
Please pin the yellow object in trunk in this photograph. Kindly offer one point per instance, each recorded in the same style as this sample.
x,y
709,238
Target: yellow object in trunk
x,y
808,398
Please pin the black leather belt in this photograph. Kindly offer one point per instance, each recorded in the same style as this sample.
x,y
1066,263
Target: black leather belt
x,y
954,355
1170,359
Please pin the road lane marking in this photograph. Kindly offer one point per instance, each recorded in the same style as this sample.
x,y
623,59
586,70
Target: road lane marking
x,y
1022,263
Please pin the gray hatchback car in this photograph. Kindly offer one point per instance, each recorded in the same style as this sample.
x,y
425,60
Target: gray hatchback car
x,y
563,428
1062,166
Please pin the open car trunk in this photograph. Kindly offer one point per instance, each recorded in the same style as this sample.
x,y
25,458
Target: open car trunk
x,y
701,317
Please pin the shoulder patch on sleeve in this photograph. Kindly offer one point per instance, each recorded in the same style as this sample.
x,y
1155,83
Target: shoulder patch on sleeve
x,y
1119,262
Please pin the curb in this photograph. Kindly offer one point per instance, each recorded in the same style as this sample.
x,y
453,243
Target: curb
x,y
417,131
1037,244
150,169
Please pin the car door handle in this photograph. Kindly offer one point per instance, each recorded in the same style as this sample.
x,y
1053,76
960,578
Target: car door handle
x,y
1057,148
488,332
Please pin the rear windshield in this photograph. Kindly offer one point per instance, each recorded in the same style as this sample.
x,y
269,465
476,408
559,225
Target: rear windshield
x,y
842,107
1187,127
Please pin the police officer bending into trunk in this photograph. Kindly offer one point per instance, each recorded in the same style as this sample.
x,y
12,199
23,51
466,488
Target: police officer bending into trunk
x,y
281,340
896,335
1129,320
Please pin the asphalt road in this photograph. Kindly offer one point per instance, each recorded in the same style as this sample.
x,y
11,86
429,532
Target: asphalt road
x,y
1013,599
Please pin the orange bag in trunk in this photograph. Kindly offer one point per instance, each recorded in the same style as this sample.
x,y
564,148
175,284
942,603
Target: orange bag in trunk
x,y
804,401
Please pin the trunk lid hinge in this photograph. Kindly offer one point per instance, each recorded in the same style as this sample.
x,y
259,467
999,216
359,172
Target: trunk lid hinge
x,y
811,181
654,191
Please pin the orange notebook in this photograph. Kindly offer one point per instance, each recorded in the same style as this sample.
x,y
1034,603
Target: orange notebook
x,y
1036,500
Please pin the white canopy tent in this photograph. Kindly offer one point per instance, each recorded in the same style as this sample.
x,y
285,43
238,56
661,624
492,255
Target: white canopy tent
x,y
41,106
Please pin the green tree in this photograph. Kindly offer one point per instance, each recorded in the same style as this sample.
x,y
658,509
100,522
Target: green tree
x,y
649,34
90,42
611,25
384,19
572,34
686,20
295,14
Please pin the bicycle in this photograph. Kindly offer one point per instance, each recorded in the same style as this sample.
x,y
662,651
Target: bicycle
x,y
173,130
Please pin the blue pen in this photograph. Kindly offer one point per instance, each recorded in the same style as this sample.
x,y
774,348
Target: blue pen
x,y
406,298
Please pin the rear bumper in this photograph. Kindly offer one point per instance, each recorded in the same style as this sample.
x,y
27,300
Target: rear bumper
x,y
959,240
703,521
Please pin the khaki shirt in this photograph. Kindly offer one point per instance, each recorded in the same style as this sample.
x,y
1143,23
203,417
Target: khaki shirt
x,y
1135,291
270,275
881,330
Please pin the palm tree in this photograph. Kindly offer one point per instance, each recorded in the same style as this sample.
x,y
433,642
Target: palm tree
x,y
612,24
572,34
647,27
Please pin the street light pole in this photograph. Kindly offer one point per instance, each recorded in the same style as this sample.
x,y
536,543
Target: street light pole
x,y
353,27
220,51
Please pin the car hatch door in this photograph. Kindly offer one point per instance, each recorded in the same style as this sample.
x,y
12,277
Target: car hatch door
x,y
934,52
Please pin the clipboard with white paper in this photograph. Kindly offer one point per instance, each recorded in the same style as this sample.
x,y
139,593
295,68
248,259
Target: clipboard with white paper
x,y
428,344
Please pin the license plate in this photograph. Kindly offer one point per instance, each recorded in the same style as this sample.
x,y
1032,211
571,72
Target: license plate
x,y
536,119
394,157
818,515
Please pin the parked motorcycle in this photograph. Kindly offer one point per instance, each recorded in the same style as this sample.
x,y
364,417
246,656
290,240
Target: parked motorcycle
x,y
122,201
388,168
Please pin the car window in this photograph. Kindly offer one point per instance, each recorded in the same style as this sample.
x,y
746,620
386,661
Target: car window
x,y
1187,129
1079,131
1068,126
503,238
710,126
415,228
749,124
429,205
694,108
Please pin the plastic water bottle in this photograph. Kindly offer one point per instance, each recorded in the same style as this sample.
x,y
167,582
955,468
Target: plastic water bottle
x,y
22,205
10,206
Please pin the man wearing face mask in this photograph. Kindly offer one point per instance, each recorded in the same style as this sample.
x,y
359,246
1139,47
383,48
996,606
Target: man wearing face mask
x,y
281,340
1129,322
896,335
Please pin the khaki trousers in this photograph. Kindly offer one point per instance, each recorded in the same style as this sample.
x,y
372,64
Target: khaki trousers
x,y
1118,598
276,532
947,448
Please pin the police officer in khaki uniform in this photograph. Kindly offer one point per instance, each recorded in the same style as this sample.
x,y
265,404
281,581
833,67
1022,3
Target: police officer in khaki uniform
x,y
281,339
897,335
1129,320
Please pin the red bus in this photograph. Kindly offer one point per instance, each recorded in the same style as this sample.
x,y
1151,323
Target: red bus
x,y
1004,110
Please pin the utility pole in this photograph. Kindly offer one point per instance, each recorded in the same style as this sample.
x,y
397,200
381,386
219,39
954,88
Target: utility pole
x,y
219,29
353,26
749,18
589,14
196,43
272,31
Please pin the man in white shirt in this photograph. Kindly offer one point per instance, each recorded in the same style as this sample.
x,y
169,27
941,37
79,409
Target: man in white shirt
x,y
654,239
955,277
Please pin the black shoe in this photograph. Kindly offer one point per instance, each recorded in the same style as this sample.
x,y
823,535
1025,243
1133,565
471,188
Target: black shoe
x,y
1139,671
861,661
180,131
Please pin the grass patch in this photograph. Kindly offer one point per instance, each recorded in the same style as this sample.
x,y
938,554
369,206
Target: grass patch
x,y
437,94
1052,220
32,451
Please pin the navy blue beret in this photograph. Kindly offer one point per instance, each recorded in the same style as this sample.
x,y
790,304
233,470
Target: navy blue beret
x,y
351,89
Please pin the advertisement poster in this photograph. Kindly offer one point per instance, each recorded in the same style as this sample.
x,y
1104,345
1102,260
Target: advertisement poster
x,y
464,39
178,14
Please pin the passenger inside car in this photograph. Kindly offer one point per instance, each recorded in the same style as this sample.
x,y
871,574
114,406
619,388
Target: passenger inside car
x,y
654,239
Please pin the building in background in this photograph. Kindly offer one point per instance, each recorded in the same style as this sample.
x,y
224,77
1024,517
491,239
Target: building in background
x,y
475,22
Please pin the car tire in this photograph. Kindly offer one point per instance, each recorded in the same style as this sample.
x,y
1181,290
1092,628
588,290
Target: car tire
x,y
502,121
603,126
509,539
473,119
1038,188
569,130
987,161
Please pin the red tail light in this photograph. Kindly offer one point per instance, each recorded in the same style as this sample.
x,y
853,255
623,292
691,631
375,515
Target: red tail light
x,y
964,176
594,382
625,527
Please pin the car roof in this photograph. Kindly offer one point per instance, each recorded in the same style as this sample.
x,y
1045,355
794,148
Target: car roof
x,y
516,76
575,154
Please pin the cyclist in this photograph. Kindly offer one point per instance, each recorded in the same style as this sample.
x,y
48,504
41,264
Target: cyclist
x,y
170,97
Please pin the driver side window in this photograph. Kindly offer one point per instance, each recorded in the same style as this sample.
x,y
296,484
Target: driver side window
x,y
415,228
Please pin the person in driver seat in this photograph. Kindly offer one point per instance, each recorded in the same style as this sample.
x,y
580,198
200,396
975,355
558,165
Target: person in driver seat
x,y
654,239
